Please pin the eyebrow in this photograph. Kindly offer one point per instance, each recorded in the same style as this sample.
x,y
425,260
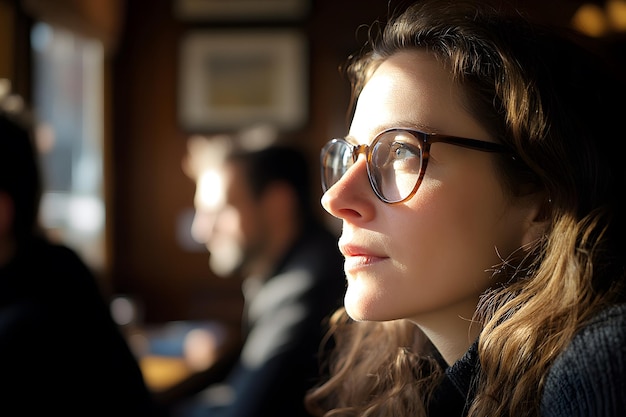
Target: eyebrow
x,y
396,125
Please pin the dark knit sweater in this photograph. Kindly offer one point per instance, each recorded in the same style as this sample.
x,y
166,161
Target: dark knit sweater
x,y
588,379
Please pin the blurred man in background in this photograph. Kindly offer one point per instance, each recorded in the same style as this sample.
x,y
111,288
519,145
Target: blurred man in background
x,y
254,214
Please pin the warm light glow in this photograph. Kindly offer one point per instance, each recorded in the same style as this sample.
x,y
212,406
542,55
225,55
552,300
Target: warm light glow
x,y
596,21
616,13
590,19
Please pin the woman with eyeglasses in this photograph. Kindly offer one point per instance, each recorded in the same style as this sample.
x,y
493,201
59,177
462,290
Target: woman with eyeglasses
x,y
480,189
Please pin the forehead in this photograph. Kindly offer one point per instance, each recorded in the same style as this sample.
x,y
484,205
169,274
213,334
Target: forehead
x,y
413,89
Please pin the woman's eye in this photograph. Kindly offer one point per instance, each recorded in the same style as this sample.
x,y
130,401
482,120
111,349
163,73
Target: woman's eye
x,y
403,151
394,153
405,156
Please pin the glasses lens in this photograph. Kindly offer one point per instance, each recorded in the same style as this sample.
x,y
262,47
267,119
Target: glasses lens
x,y
336,158
395,165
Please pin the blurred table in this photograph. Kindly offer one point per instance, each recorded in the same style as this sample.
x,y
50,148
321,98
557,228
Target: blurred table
x,y
164,372
180,358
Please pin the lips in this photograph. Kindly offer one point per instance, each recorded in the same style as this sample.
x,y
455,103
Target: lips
x,y
357,257
349,250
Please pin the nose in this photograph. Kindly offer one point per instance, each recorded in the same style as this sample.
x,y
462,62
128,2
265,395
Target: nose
x,y
351,197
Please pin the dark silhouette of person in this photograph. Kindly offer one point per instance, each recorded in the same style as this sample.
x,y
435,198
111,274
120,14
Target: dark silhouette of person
x,y
60,350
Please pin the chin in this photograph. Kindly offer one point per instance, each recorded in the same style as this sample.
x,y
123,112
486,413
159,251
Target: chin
x,y
361,308
358,310
226,260
222,267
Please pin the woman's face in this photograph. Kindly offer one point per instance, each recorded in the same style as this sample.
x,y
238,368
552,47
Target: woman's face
x,y
429,258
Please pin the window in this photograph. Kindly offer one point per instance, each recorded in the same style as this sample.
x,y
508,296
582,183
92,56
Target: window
x,y
68,106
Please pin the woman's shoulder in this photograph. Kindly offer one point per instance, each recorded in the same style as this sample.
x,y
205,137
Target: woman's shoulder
x,y
605,331
589,377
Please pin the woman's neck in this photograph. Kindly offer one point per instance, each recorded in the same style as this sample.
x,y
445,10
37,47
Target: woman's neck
x,y
451,330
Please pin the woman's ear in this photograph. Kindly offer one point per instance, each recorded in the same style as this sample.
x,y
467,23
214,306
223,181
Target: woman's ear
x,y
539,217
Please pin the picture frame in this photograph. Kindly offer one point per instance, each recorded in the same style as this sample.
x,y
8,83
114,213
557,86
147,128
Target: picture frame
x,y
232,79
241,10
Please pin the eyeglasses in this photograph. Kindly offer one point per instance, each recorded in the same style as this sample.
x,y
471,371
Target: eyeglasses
x,y
396,160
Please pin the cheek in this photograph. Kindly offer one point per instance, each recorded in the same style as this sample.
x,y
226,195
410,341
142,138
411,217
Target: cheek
x,y
453,233
228,224
248,225
461,223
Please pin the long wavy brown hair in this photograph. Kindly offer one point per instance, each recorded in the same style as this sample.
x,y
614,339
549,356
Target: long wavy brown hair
x,y
548,98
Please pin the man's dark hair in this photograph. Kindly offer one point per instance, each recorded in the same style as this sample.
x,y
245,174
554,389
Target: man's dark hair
x,y
277,163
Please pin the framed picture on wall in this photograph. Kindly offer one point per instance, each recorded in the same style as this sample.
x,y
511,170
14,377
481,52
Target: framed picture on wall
x,y
232,79
240,9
